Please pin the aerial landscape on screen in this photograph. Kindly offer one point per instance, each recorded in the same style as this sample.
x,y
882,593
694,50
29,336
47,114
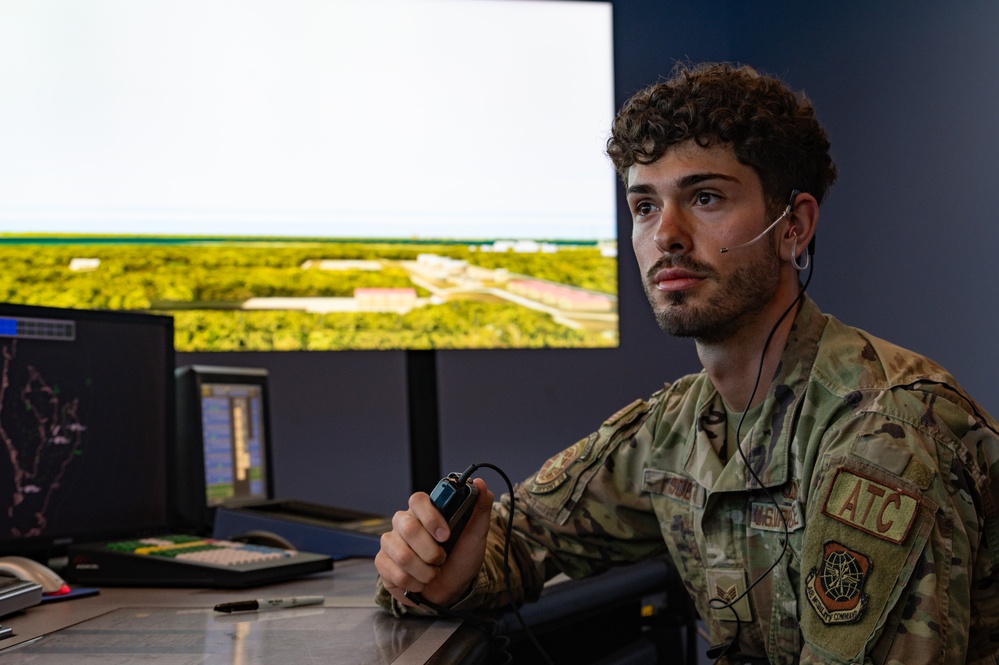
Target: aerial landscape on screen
x,y
319,294
307,176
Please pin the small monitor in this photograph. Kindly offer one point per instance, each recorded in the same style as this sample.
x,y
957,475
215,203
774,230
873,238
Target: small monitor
x,y
86,426
223,440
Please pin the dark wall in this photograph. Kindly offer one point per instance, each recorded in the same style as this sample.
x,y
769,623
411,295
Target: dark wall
x,y
907,91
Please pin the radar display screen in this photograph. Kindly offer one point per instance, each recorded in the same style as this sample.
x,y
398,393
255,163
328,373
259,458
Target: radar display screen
x,y
86,424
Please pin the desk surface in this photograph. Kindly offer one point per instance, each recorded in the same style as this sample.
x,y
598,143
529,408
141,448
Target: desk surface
x,y
179,626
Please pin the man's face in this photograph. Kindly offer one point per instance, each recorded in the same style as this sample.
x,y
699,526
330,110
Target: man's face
x,y
685,208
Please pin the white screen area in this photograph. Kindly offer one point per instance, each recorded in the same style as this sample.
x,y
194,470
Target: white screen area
x,y
326,118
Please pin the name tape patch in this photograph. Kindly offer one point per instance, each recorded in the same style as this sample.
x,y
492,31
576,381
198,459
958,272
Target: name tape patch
x,y
765,516
881,510
680,489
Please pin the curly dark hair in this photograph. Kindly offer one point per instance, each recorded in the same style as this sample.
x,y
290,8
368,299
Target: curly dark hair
x,y
770,128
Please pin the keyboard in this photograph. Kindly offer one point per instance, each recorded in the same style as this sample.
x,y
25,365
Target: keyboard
x,y
17,594
188,561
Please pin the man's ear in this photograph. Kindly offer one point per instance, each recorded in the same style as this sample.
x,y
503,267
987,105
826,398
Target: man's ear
x,y
801,226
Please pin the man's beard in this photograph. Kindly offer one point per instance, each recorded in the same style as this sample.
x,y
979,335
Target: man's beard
x,y
743,293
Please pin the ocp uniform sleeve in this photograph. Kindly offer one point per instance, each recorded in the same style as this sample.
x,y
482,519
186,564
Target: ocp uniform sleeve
x,y
896,567
583,512
580,514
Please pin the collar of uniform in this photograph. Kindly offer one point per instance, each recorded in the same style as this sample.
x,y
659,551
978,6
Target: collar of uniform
x,y
766,446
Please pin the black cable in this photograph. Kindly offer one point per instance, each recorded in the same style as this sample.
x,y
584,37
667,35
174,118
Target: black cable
x,y
719,651
508,537
491,628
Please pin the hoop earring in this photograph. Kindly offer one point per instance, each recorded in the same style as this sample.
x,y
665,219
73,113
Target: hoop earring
x,y
794,256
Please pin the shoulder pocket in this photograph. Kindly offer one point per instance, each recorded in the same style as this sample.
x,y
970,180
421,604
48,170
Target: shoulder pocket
x,y
865,533
553,491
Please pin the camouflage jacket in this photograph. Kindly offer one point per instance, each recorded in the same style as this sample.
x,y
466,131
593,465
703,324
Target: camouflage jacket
x,y
882,472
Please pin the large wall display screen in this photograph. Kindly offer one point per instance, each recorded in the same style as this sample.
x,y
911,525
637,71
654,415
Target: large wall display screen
x,y
314,174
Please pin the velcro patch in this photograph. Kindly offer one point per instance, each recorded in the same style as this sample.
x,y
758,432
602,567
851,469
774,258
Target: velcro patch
x,y
554,472
836,592
681,489
766,516
729,600
881,510
675,486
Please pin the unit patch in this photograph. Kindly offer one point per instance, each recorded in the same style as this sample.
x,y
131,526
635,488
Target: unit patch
x,y
836,591
554,472
881,510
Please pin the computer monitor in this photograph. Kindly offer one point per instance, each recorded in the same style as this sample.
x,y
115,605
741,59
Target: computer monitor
x,y
224,483
223,440
315,175
86,423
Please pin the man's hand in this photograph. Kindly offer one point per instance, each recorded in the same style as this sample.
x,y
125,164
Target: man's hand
x,y
411,557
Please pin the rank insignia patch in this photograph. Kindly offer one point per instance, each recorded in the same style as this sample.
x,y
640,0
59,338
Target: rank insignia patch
x,y
836,590
729,599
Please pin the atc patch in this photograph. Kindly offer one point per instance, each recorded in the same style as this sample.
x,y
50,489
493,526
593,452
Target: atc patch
x,y
881,510
836,590
554,472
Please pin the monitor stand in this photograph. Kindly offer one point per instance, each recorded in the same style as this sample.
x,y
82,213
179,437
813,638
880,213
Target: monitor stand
x,y
424,426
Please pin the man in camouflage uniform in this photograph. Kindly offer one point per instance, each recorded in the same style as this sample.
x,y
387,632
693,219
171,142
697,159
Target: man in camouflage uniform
x,y
825,495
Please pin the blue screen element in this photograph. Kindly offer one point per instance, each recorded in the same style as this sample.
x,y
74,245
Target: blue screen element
x,y
233,430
